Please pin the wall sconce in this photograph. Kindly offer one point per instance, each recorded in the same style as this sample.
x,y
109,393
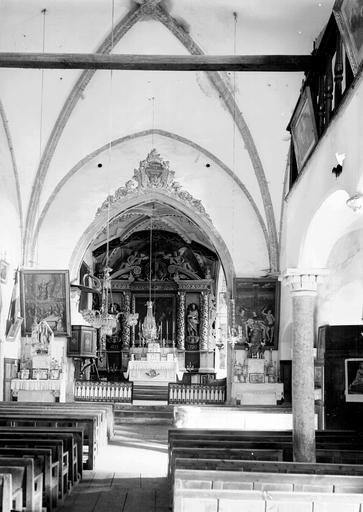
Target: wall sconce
x,y
337,170
355,202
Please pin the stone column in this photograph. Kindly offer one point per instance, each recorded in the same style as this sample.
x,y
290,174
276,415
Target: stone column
x,y
204,320
125,327
303,287
181,321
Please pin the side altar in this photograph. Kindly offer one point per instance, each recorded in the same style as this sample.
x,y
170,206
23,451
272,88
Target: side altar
x,y
255,380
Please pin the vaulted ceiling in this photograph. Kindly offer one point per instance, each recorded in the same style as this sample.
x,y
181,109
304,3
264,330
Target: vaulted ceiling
x,y
76,136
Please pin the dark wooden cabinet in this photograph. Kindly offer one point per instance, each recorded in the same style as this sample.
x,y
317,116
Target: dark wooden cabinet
x,y
336,343
83,342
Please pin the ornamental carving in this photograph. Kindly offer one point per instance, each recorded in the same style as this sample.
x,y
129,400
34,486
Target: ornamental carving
x,y
153,173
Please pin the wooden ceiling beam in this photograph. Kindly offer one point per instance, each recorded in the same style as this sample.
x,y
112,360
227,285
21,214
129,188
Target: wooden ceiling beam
x,y
158,62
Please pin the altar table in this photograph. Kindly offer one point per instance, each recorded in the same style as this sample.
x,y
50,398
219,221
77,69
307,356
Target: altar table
x,y
257,394
32,390
152,371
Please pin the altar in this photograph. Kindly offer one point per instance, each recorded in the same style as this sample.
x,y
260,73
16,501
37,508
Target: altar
x,y
266,393
153,371
34,390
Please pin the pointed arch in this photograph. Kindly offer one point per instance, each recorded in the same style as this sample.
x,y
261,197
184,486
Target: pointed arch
x,y
146,133
156,195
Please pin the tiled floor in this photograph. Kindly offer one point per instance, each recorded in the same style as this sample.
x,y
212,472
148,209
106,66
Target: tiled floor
x,y
130,475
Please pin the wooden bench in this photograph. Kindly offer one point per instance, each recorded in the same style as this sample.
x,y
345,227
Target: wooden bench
x,y
86,420
69,447
26,476
50,470
10,498
58,455
74,444
107,409
220,500
104,412
263,481
269,466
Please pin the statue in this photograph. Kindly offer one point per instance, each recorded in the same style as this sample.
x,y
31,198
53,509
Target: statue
x,y
192,319
270,324
256,337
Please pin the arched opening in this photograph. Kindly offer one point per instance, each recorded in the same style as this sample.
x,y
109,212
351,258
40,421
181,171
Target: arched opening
x,y
155,252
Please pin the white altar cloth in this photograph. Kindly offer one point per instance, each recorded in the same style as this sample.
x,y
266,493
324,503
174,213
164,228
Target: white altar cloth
x,y
257,394
152,371
42,390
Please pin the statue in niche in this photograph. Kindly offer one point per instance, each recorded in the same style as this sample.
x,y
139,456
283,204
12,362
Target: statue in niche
x,y
270,324
192,319
255,336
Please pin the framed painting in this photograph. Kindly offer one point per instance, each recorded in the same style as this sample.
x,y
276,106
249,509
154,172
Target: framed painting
x,y
354,379
303,128
257,309
349,18
257,378
44,295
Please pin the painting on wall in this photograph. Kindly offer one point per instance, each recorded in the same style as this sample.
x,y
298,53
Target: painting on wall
x,y
354,379
349,17
303,128
45,296
257,310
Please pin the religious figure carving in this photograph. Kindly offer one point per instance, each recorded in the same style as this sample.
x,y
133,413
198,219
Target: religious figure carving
x,y
192,319
153,173
256,337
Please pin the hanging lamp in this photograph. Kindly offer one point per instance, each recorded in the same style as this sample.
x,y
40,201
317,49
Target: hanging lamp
x,y
149,329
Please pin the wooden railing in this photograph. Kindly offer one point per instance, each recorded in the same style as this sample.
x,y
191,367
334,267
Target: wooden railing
x,y
196,393
328,81
103,391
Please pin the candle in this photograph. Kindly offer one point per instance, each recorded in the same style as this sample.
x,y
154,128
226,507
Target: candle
x,y
167,330
173,330
161,331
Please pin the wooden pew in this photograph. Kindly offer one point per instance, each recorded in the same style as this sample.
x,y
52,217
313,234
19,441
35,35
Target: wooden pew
x,y
69,446
107,418
213,500
50,470
58,455
74,447
263,481
6,493
269,466
26,476
104,412
56,419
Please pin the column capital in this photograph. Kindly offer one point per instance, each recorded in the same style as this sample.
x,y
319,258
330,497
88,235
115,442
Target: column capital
x,y
303,281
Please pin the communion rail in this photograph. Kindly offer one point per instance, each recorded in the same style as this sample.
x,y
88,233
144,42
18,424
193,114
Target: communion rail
x,y
92,391
196,393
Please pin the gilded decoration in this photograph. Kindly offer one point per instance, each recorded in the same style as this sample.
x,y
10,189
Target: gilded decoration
x,y
153,173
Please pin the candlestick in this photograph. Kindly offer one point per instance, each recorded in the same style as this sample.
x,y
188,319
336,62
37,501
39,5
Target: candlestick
x,y
167,331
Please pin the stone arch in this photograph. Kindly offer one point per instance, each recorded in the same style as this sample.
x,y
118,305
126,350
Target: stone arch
x,y
140,134
331,220
218,81
137,200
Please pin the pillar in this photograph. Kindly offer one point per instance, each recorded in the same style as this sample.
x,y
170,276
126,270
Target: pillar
x,y
204,321
303,288
125,326
181,321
